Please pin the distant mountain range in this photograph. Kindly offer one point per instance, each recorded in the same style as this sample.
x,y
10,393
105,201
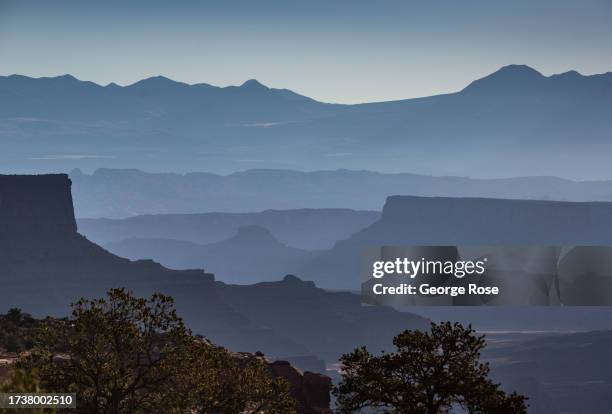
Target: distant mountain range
x,y
123,193
514,122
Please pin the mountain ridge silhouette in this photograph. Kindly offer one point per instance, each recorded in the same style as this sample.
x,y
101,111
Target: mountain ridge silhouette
x,y
513,122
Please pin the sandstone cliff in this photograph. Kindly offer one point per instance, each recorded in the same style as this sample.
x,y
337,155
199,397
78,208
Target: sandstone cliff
x,y
45,265
442,221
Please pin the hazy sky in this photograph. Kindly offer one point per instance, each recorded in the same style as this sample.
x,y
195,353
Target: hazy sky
x,y
334,51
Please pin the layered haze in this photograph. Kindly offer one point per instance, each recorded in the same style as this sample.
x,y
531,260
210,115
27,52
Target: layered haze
x,y
239,156
514,122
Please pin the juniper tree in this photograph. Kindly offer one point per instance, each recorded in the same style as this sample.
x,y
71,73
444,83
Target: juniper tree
x,y
431,372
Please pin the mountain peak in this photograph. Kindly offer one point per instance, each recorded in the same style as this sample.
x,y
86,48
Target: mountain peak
x,y
67,77
517,70
512,74
255,232
571,74
156,81
296,281
253,84
253,236
159,78
510,78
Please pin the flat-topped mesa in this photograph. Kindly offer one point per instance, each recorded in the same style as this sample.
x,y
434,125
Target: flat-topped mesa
x,y
445,220
37,218
40,247
37,204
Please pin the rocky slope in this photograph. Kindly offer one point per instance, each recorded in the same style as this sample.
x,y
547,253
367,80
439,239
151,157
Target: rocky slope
x,y
46,265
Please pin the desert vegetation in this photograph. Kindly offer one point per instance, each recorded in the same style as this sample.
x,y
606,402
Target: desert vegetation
x,y
125,354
